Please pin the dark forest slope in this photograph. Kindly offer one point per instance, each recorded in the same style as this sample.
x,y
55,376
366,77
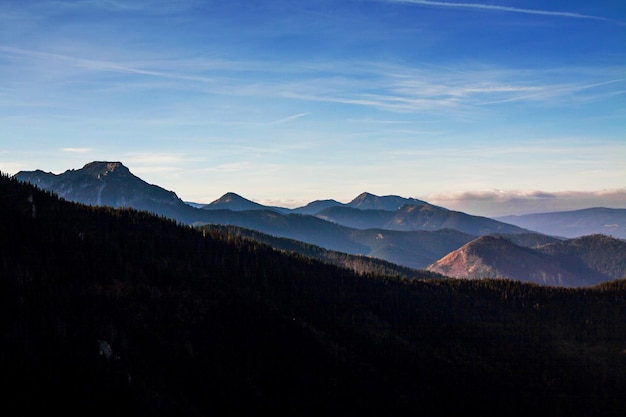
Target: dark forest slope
x,y
358,263
107,311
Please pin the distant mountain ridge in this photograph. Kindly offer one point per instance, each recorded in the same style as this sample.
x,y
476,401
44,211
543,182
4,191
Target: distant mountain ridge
x,y
367,201
584,261
316,206
416,217
112,184
407,232
574,223
364,201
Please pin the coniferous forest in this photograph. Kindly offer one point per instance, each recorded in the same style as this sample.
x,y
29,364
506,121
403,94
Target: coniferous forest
x,y
116,310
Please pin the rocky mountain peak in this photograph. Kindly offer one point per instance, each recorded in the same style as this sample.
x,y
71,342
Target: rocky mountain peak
x,y
233,201
368,201
229,198
103,168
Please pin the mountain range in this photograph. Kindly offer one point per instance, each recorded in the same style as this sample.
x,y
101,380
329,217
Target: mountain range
x,y
574,223
116,310
405,231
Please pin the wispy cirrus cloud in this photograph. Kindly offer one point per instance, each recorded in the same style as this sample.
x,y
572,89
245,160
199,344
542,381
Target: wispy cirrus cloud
x,y
143,6
554,91
498,8
289,118
400,89
101,65
155,158
229,167
76,150
156,163
440,90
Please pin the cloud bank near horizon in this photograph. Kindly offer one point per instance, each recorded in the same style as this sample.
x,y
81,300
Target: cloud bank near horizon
x,y
495,203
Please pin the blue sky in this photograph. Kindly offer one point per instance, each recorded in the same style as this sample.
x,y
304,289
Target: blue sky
x,y
469,105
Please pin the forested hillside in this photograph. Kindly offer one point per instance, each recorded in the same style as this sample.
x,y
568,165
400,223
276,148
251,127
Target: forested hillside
x,y
107,311
358,263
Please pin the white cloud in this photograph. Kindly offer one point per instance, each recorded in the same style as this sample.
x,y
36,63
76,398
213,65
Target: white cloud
x,y
403,89
101,65
229,167
155,169
143,6
289,118
399,89
155,163
155,159
494,7
76,150
287,203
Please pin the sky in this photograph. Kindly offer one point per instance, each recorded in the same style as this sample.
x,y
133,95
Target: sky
x,y
488,106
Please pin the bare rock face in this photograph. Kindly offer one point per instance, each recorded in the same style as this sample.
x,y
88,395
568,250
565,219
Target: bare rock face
x,y
498,257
